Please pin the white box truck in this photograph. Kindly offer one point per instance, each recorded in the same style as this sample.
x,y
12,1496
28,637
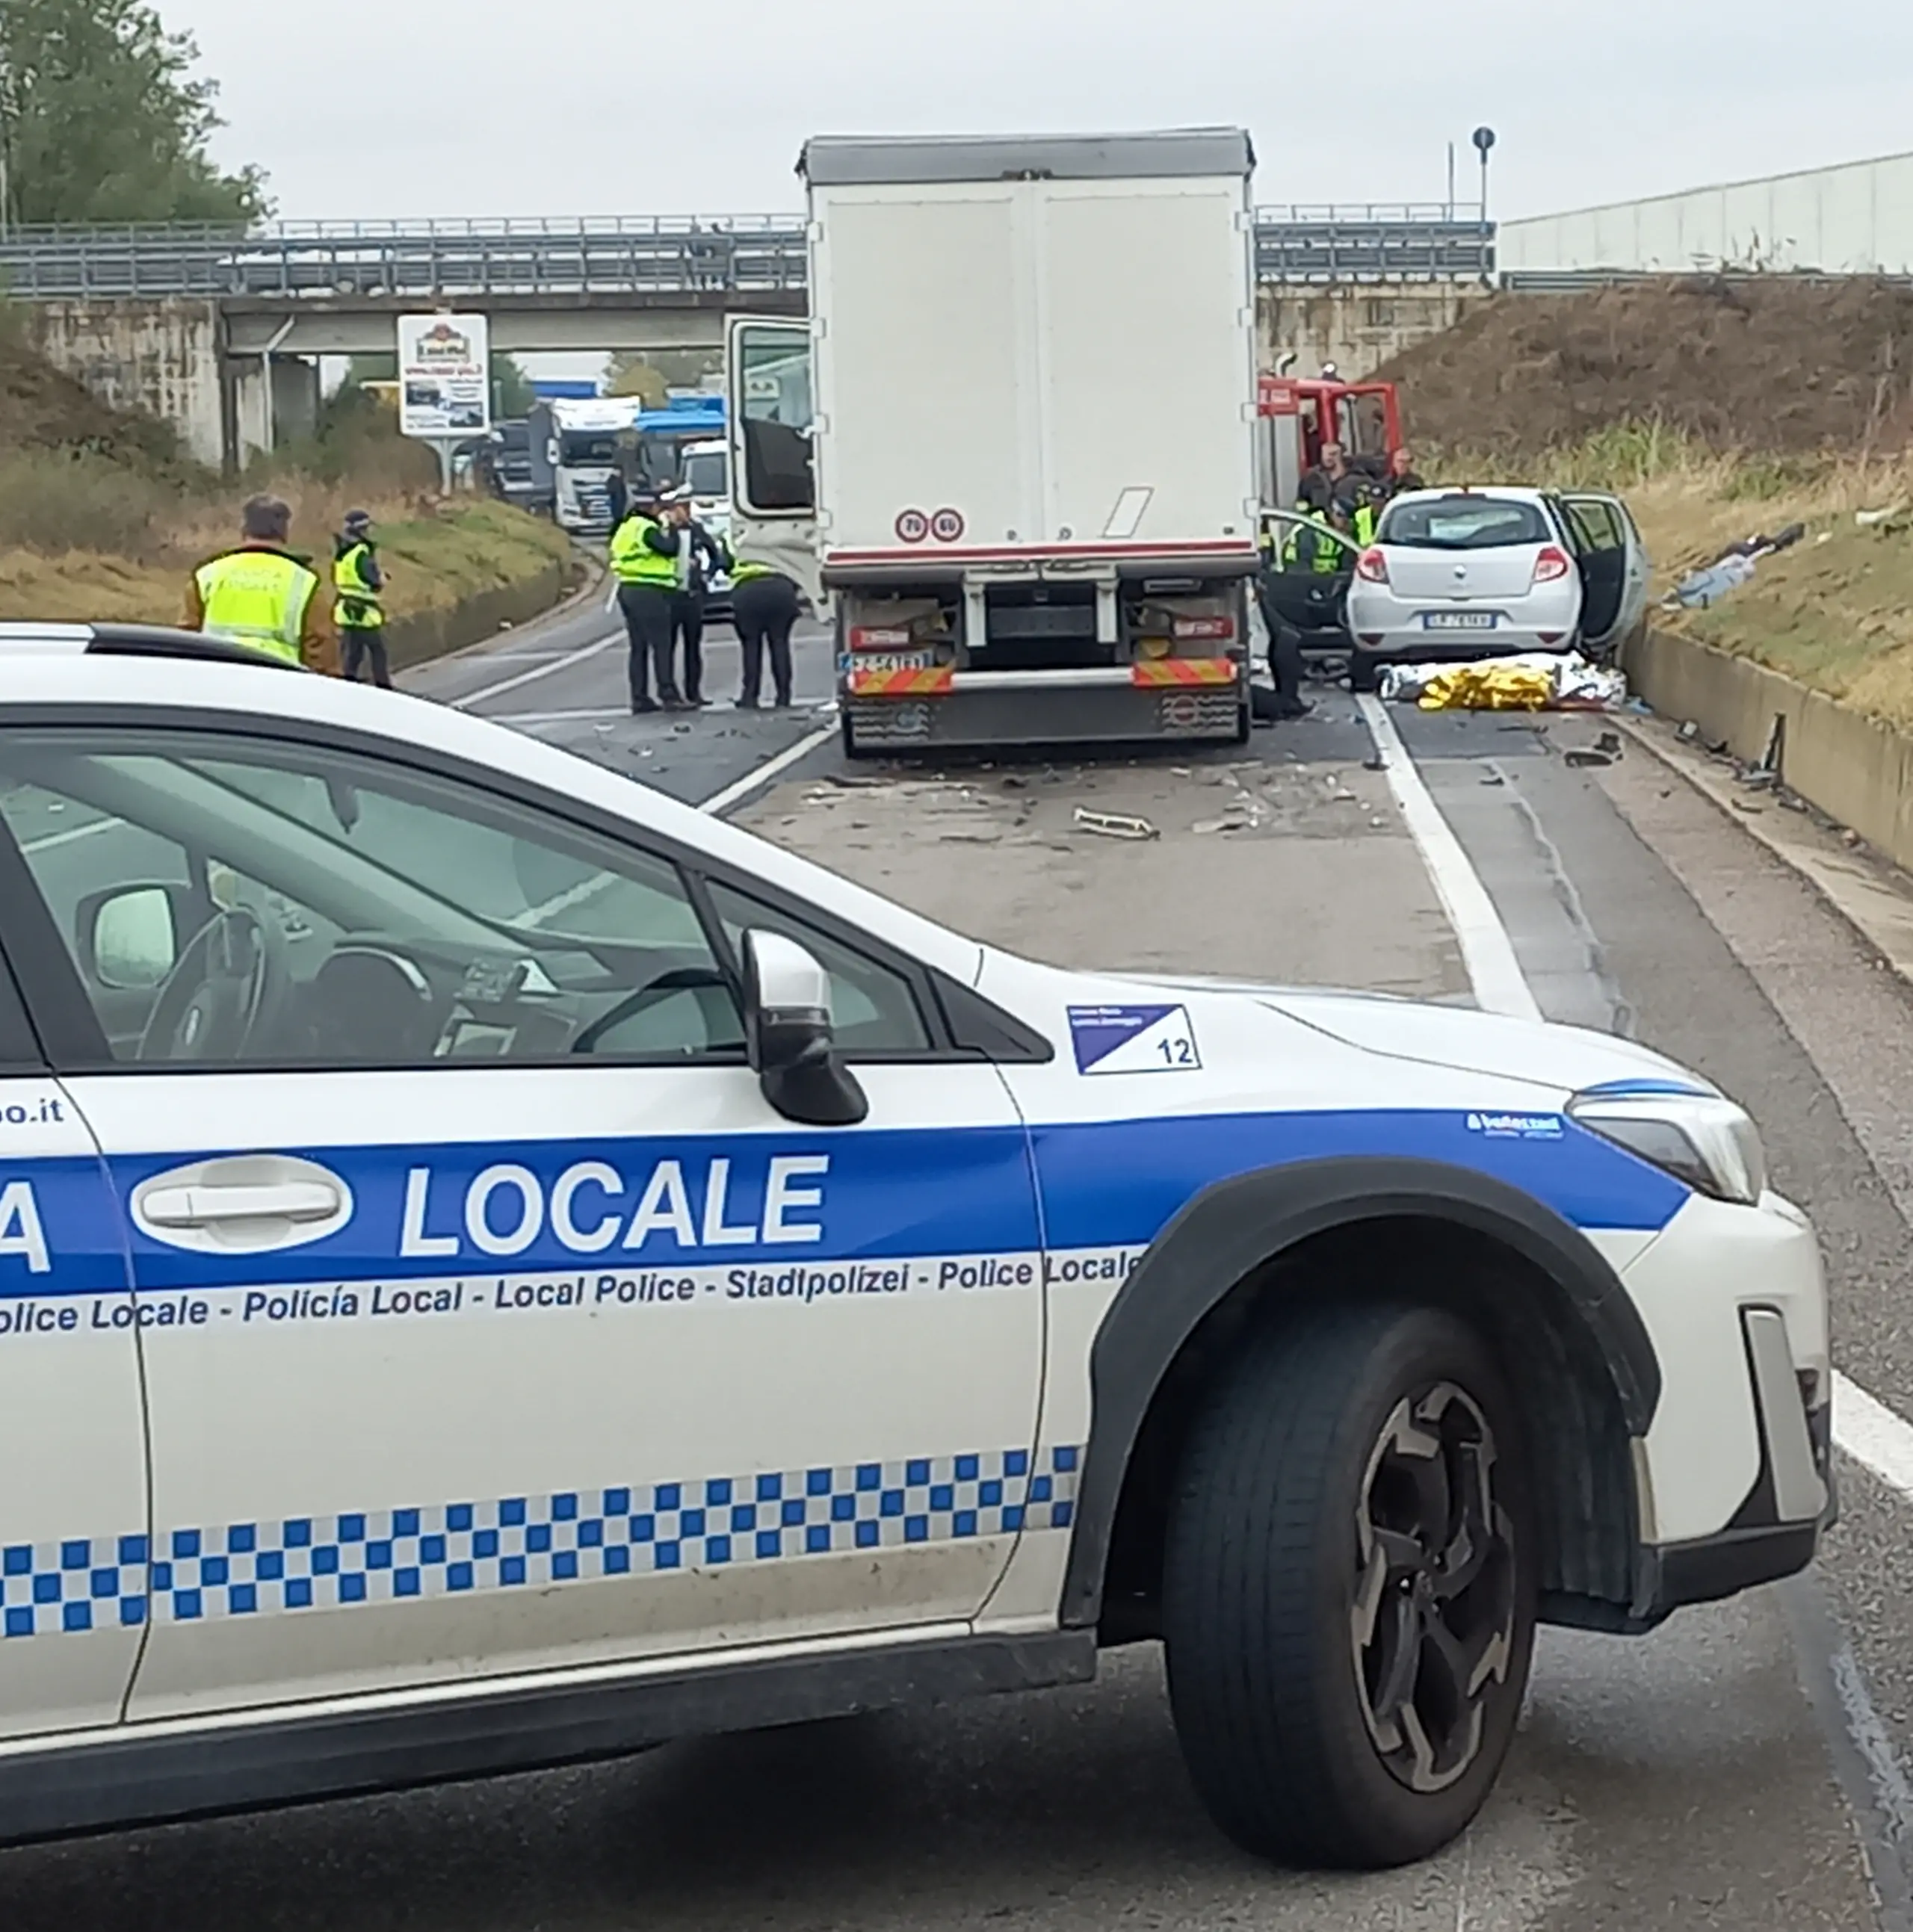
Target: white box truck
x,y
1013,450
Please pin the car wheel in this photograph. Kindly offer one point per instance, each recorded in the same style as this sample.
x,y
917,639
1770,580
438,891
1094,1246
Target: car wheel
x,y
847,734
1364,673
1244,722
1349,1593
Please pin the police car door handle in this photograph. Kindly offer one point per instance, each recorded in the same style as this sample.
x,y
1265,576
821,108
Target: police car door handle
x,y
206,1207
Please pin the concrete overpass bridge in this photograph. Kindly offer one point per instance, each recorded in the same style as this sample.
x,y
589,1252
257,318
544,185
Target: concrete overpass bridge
x,y
218,328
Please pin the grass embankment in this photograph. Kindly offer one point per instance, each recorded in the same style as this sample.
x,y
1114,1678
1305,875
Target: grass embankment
x,y
1835,612
101,517
436,555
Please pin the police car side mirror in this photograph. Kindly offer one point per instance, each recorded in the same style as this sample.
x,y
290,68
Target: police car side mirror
x,y
788,1036
128,936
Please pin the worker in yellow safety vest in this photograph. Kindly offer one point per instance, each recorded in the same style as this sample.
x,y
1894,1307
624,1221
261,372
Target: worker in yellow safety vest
x,y
644,562
764,611
357,585
261,595
1319,541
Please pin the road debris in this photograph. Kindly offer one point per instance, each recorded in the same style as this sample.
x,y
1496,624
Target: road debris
x,y
1114,824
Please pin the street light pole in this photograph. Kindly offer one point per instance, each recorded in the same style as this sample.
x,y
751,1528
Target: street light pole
x,y
1484,139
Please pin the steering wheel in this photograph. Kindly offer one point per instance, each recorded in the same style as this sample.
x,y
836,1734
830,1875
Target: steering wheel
x,y
679,979
226,990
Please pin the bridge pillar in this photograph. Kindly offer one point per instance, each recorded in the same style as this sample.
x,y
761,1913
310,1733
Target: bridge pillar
x,y
253,426
162,357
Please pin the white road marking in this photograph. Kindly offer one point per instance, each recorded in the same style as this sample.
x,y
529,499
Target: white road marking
x,y
1878,1438
1493,971
523,720
48,840
755,781
506,684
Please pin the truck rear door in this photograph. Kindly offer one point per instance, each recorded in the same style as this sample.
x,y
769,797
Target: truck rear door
x,y
927,376
1143,292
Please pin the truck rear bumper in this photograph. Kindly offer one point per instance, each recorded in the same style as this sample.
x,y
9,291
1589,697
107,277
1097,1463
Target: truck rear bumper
x,y
1054,710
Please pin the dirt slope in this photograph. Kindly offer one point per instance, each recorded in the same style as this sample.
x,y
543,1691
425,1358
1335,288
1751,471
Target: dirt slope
x,y
1776,366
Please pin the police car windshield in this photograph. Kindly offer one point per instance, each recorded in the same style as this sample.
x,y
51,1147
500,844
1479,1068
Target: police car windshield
x,y
1464,523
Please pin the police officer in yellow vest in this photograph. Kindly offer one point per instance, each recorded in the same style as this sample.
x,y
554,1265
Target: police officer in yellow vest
x,y
644,562
261,595
357,583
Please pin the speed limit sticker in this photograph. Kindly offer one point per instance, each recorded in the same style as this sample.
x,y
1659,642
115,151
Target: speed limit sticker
x,y
947,526
912,526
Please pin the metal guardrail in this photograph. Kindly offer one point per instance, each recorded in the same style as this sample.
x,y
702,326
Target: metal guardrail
x,y
1378,250
1571,281
658,255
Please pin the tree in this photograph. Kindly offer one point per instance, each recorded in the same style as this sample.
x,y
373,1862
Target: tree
x,y
632,375
512,393
103,118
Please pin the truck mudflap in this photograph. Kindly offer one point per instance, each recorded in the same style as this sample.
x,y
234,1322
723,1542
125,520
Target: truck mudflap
x,y
1184,698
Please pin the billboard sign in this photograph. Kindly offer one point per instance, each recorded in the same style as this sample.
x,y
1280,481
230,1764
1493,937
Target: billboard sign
x,y
444,376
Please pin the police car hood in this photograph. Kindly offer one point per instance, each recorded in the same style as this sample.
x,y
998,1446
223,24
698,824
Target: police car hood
x,y
1568,1059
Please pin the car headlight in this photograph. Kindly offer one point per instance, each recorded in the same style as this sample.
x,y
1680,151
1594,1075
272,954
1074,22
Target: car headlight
x,y
1703,1139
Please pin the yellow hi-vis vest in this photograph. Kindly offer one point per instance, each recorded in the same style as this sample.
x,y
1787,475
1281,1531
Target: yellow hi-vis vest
x,y
256,597
742,572
359,609
633,560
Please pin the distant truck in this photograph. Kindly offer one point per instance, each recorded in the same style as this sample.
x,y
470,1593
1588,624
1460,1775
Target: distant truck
x,y
510,471
575,447
950,450
666,436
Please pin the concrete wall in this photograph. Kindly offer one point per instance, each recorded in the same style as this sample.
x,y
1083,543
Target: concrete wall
x,y
163,357
1854,220
1855,769
1359,327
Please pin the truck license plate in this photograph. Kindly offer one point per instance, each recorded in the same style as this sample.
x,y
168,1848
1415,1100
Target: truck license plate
x,y
890,661
1457,620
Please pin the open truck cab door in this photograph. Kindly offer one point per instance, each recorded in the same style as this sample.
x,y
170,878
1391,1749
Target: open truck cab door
x,y
1614,567
771,392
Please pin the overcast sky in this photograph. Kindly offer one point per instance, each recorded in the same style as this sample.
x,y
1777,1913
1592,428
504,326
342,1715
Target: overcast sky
x,y
587,106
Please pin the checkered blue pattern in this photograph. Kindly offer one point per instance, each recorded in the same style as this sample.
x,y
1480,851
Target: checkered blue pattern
x,y
191,1575
82,1584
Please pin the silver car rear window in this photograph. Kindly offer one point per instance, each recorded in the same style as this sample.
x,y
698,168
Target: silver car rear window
x,y
1464,523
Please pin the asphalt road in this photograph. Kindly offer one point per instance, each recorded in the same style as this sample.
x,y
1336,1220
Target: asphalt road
x,y
564,682
1739,1769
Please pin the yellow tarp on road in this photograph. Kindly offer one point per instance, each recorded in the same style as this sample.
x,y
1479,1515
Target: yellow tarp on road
x,y
1489,687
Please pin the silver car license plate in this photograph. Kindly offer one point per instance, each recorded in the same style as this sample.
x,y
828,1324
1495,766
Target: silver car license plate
x,y
1457,620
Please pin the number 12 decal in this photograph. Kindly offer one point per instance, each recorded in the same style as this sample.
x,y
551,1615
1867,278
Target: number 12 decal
x,y
1134,1039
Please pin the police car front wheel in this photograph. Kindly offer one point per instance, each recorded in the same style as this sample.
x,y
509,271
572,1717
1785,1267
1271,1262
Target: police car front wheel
x,y
1349,1591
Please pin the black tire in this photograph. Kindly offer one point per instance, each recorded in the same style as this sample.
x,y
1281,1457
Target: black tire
x,y
1244,723
847,736
1364,673
1321,1427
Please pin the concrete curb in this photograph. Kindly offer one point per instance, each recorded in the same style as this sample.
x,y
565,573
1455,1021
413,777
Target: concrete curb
x,y
1872,896
434,637
590,589
1856,769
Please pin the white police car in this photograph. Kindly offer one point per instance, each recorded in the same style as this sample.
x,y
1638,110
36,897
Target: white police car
x,y
498,1269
